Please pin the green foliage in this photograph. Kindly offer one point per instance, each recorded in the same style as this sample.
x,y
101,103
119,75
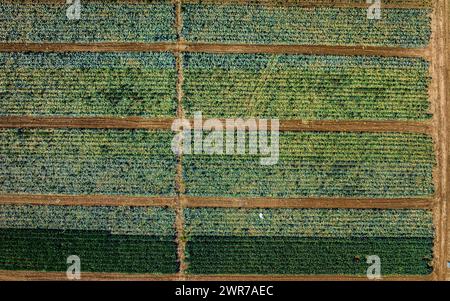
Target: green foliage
x,y
325,223
256,24
101,21
82,161
88,84
99,251
386,165
119,220
284,255
306,87
308,241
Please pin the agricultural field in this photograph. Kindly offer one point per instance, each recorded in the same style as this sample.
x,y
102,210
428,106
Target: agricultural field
x,y
249,23
101,21
88,84
320,164
281,241
306,87
90,165
76,161
107,239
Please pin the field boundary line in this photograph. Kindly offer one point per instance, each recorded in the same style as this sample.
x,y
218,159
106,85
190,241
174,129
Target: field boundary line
x,y
218,48
308,4
309,49
438,96
424,127
90,276
86,200
217,202
179,219
310,203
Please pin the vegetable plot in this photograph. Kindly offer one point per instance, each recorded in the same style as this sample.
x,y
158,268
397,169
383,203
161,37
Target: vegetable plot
x,y
106,239
88,84
306,87
307,241
73,161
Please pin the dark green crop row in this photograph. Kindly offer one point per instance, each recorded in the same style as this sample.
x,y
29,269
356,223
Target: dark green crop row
x,y
275,255
306,87
99,251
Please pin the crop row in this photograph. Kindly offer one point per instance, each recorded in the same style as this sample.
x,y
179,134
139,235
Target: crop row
x,y
284,255
307,241
319,223
320,164
255,24
99,251
234,85
88,84
107,239
25,21
134,162
231,22
306,87
118,220
139,162
311,3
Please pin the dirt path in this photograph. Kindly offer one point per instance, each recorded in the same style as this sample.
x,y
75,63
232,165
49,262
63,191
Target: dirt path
x,y
166,124
182,46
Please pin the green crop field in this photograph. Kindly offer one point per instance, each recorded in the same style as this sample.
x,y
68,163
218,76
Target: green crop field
x,y
306,87
250,23
307,241
100,21
320,164
89,164
63,161
106,239
88,84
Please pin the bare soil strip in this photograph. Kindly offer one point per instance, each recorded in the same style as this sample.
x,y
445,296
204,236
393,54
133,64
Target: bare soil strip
x,y
6,275
356,126
179,220
86,200
424,127
309,49
87,276
84,122
439,98
223,202
302,278
348,203
217,48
